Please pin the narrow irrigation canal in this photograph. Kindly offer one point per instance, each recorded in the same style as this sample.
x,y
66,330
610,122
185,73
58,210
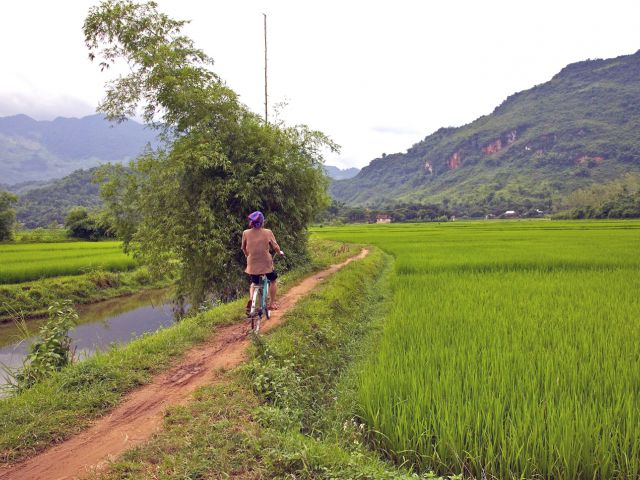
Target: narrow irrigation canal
x,y
101,324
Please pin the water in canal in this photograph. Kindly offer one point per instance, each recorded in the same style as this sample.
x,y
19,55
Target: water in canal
x,y
118,320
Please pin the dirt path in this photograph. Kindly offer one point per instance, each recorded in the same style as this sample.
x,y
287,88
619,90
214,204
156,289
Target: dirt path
x,y
141,412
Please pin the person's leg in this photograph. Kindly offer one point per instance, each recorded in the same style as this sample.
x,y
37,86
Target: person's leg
x,y
273,290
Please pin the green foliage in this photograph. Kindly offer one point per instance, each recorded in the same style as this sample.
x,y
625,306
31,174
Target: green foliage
x,y
617,199
51,352
222,418
42,235
187,203
32,298
295,370
87,226
212,436
44,205
510,350
339,212
298,372
538,146
65,404
7,215
340,174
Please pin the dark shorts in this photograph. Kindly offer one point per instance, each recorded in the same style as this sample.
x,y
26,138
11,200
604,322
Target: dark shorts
x,y
255,279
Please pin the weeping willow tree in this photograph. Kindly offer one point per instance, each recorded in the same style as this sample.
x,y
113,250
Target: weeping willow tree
x,y
183,206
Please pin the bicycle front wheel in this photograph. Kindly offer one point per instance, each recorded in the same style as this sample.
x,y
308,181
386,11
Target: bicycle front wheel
x,y
256,310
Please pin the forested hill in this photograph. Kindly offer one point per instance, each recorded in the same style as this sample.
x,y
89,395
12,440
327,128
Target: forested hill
x,y
43,205
340,174
578,129
32,150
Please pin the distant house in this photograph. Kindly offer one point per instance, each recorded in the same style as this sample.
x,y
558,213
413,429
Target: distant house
x,y
509,214
383,218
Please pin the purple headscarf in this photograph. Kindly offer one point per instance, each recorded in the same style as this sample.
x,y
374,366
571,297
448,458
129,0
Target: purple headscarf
x,y
256,219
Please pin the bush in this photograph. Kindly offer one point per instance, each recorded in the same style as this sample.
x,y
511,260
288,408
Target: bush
x,y
82,224
52,352
7,215
104,279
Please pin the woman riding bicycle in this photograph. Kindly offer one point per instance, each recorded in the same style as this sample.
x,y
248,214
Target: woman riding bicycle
x,y
256,242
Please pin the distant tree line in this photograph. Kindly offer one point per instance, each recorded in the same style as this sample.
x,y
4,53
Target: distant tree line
x,y
49,204
616,199
622,206
339,212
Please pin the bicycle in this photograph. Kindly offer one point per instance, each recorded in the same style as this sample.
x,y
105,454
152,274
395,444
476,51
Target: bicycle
x,y
259,302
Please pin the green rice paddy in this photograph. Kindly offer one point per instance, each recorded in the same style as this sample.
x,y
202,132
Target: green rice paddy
x,y
512,349
25,262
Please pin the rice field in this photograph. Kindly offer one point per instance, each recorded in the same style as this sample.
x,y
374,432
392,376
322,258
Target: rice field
x,y
25,262
512,349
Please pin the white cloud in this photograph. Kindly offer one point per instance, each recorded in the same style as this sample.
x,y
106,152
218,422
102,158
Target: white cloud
x,y
347,68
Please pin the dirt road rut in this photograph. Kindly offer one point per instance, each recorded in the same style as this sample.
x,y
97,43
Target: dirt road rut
x,y
141,412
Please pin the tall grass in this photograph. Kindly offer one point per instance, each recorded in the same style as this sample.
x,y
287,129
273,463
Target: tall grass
x,y
43,235
24,262
511,350
65,403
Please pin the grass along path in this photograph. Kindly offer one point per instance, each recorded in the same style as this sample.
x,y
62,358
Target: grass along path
x,y
288,413
31,299
172,387
511,349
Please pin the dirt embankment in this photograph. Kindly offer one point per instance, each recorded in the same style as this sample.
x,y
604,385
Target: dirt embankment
x,y
141,412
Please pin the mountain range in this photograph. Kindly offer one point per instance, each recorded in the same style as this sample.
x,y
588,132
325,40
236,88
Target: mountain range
x,y
576,130
41,204
340,174
44,203
32,150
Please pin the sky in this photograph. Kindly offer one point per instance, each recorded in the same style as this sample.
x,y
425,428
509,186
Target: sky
x,y
375,76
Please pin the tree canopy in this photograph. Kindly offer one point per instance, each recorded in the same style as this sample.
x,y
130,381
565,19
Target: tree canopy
x,y
81,223
7,215
185,204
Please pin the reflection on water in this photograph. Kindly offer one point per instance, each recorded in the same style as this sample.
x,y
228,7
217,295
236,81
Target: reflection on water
x,y
118,320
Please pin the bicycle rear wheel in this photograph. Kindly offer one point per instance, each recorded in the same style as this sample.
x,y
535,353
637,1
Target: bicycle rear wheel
x,y
265,299
255,324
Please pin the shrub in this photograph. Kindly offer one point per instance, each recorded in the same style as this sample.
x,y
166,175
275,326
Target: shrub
x,y
52,352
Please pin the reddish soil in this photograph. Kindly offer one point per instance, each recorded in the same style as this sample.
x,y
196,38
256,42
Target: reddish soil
x,y
455,161
141,412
